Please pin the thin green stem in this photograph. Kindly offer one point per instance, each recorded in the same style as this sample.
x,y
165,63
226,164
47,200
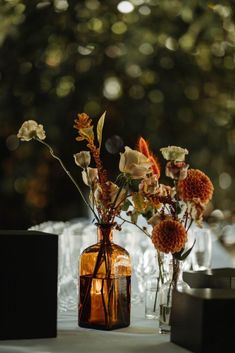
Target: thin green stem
x,y
68,173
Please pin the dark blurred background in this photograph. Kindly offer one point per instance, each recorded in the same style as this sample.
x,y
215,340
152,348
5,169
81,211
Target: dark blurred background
x,y
161,69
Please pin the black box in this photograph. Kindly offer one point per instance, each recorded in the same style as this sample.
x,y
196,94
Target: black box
x,y
214,278
28,284
203,320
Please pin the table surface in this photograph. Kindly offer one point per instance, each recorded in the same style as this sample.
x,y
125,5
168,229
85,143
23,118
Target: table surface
x,y
141,336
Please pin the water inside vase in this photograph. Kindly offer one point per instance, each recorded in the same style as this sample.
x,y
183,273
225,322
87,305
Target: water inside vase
x,y
104,302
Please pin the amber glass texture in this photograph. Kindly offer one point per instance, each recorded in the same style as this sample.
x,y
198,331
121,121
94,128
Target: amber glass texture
x,y
104,284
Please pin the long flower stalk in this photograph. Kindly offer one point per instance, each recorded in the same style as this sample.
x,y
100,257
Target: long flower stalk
x,y
68,173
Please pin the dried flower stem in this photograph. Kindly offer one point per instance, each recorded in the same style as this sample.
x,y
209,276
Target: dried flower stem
x,y
102,173
135,224
115,207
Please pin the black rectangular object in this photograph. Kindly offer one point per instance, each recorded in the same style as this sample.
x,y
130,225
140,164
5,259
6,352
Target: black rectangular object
x,y
212,278
28,284
203,320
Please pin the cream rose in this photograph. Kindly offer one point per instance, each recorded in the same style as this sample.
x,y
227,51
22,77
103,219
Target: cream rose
x,y
31,129
90,176
174,153
82,159
134,163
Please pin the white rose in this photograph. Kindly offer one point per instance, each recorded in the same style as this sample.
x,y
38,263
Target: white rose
x,y
134,163
174,153
31,129
90,176
82,159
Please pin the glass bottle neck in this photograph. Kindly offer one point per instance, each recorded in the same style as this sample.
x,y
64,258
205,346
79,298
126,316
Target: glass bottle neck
x,y
105,233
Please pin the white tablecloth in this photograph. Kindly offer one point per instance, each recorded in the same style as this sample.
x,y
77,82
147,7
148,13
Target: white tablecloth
x,y
141,336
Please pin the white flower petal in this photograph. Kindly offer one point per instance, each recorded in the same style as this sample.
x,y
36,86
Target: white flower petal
x,y
31,129
82,159
174,153
134,163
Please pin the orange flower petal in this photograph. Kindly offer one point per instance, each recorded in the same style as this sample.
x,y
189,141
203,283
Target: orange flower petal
x,y
143,146
155,166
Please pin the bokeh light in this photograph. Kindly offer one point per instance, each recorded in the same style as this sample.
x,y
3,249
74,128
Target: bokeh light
x,y
112,88
162,69
125,7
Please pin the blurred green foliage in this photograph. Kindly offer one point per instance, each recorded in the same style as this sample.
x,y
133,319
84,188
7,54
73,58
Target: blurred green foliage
x,y
164,69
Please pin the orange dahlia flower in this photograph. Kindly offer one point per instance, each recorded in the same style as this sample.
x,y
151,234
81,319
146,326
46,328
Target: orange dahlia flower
x,y
169,236
196,185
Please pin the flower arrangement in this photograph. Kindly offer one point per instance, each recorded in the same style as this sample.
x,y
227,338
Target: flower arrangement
x,y
108,305
169,210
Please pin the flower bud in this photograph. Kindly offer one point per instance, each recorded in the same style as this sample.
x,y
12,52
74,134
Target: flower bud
x,y
90,176
82,159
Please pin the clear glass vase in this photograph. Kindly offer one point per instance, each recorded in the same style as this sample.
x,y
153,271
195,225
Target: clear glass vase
x,y
152,288
104,284
174,281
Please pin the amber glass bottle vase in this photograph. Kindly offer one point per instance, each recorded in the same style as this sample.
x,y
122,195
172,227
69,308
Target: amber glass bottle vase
x,y
104,283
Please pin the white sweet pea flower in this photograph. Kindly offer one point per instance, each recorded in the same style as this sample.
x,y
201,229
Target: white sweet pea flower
x,y
134,163
90,176
82,159
174,153
31,129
